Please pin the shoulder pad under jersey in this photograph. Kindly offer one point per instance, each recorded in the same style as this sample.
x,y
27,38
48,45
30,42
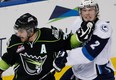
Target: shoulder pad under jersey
x,y
102,29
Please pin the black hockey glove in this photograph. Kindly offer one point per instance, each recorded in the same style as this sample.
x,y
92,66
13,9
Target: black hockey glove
x,y
56,32
85,31
60,61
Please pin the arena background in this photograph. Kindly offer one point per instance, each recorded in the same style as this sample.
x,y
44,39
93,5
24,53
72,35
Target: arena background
x,y
59,13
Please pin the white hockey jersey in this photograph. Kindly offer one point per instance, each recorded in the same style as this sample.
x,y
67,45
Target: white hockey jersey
x,y
93,54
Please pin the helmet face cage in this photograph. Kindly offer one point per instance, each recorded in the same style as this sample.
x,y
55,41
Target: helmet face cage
x,y
26,21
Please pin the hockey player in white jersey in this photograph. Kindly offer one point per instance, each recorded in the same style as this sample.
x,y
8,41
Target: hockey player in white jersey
x,y
91,61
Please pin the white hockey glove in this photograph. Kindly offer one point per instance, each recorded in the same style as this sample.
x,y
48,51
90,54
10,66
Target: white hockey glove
x,y
85,31
60,61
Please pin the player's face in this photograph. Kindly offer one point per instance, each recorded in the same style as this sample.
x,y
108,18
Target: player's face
x,y
22,33
88,13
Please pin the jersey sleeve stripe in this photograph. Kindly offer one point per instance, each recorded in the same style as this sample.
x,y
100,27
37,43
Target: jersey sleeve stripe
x,y
87,54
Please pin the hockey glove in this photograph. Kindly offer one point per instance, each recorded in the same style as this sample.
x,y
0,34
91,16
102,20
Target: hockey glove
x,y
60,61
85,31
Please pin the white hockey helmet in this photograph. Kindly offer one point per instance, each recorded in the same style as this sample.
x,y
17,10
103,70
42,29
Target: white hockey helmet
x,y
88,3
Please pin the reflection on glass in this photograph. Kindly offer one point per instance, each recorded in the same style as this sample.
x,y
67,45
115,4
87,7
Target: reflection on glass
x,y
4,0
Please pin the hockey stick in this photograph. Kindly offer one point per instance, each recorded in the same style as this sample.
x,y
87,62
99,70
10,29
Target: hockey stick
x,y
52,70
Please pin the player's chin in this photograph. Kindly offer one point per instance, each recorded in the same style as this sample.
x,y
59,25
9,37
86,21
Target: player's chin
x,y
23,40
88,19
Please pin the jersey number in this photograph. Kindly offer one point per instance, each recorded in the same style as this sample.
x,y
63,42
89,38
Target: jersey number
x,y
97,43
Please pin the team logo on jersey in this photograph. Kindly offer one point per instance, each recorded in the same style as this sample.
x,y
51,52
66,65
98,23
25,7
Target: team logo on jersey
x,y
32,64
104,28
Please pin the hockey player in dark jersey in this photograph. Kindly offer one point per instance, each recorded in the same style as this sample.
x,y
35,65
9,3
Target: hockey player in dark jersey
x,y
32,50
